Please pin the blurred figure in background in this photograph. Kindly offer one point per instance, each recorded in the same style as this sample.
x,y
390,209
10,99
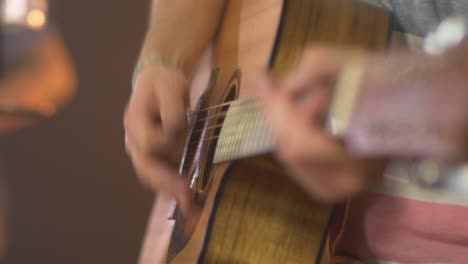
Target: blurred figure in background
x,y
37,76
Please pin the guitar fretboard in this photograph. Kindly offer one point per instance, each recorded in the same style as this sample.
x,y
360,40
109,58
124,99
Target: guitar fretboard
x,y
244,133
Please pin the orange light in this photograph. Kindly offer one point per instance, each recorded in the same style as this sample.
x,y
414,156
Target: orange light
x,y
36,19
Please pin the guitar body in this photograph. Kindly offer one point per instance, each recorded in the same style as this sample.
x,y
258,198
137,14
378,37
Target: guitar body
x,y
251,212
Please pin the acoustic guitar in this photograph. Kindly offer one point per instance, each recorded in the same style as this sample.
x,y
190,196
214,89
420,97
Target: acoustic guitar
x,y
251,211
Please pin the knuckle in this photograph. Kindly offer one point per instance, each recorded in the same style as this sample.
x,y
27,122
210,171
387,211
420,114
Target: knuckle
x,y
290,151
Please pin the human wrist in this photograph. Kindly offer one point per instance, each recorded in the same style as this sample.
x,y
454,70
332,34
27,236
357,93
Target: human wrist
x,y
151,67
147,61
174,55
157,55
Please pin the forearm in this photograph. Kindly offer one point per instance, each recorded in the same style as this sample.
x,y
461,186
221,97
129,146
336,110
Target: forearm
x,y
179,30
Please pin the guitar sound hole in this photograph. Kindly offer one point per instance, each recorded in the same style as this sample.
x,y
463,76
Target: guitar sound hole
x,y
206,137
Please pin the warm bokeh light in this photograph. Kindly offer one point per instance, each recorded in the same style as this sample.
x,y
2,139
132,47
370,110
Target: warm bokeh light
x,y
24,13
13,11
36,19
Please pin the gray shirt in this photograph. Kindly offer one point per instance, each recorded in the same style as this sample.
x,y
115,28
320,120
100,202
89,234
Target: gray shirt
x,y
419,17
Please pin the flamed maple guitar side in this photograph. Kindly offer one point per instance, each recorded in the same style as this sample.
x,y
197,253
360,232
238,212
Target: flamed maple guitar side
x,y
252,212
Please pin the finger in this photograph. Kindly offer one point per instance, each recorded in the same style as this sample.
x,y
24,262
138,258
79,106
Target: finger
x,y
311,82
316,69
277,108
288,124
312,158
298,142
164,176
158,176
173,104
313,103
139,120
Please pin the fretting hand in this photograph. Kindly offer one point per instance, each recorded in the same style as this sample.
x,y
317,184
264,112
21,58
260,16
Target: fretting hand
x,y
294,107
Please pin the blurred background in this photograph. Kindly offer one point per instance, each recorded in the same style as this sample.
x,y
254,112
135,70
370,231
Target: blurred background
x,y
72,195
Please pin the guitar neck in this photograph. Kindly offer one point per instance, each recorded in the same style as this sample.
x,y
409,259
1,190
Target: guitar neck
x,y
407,118
245,132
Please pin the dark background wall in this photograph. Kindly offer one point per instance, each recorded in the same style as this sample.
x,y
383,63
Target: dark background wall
x,y
73,194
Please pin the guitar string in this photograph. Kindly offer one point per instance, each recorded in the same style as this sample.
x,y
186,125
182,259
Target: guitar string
x,y
207,128
209,140
213,116
238,102
227,134
253,104
205,140
191,142
245,111
249,105
216,106
222,113
230,104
